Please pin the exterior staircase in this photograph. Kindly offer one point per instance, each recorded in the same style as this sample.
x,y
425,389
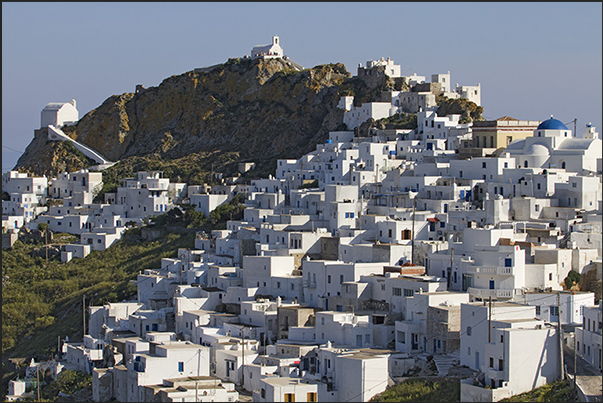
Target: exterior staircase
x,y
445,361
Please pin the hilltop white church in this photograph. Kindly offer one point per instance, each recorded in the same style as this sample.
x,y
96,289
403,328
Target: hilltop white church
x,y
272,50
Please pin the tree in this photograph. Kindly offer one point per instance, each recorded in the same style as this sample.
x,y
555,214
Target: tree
x,y
573,277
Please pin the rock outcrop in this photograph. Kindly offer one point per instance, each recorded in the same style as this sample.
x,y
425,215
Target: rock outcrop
x,y
258,109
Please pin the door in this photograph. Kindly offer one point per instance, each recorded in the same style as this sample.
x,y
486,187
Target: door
x,y
477,360
358,340
491,284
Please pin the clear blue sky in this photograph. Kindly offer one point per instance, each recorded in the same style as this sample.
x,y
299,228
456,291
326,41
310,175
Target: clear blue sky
x,y
532,59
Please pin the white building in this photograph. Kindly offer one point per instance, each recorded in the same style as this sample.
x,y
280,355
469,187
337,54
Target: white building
x,y
555,146
25,195
323,279
588,337
286,389
76,188
268,51
59,114
355,375
145,195
515,351
391,69
370,110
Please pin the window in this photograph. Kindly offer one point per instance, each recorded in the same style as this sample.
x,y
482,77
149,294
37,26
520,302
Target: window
x,y
396,291
409,292
181,366
554,310
491,362
501,365
340,278
537,309
329,279
263,392
311,397
468,330
483,165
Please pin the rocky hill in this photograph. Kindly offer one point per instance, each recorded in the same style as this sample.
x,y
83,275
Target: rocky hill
x,y
256,110
206,120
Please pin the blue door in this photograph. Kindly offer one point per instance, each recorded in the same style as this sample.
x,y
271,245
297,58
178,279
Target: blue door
x,y
491,284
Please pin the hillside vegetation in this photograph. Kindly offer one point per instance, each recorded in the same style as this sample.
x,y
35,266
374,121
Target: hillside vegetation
x,y
448,389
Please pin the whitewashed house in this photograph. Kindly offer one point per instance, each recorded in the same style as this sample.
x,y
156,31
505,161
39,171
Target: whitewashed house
x,y
515,351
588,337
564,306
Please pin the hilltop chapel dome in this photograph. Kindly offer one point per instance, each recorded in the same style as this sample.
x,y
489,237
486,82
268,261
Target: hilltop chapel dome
x,y
552,124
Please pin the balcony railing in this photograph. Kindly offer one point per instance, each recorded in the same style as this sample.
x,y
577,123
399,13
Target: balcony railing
x,y
499,270
485,293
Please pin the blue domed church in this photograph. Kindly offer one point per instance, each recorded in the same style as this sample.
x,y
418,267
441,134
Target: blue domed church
x,y
553,145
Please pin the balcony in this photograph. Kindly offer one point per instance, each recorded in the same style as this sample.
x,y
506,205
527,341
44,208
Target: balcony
x,y
495,374
499,270
486,293
310,284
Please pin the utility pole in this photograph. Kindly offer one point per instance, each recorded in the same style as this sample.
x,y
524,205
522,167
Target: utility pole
x,y
38,380
575,360
243,356
46,239
450,270
560,331
489,319
83,316
58,347
412,239
575,120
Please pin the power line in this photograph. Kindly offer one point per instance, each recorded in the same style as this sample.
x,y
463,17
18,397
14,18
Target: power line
x,y
12,149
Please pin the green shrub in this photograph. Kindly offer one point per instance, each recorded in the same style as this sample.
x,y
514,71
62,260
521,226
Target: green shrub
x,y
68,382
557,391
422,390
572,276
